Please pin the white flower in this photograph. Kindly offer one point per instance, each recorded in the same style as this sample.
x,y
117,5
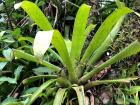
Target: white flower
x,y
41,43
16,6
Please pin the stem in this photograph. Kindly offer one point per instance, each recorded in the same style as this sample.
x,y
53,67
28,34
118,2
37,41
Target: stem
x,y
71,3
15,90
56,16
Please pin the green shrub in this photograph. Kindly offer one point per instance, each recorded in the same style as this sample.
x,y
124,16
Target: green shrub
x,y
77,68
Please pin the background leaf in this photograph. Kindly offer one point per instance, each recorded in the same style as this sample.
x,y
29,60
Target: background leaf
x,y
42,70
8,54
2,65
8,79
17,72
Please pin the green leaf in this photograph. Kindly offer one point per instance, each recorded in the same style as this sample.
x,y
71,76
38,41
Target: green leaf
x,y
55,55
133,89
8,54
49,103
17,72
11,101
1,6
16,33
2,65
80,94
68,45
14,103
8,79
79,36
63,82
29,39
59,43
35,78
104,31
36,14
119,4
36,94
104,46
9,40
42,70
136,98
59,98
132,49
29,91
21,54
100,82
1,34
51,90
89,29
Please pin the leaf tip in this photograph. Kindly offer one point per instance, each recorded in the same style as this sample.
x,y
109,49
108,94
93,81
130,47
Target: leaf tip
x,y
17,6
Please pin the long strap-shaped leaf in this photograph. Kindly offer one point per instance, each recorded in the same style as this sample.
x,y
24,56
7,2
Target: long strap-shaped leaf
x,y
60,45
29,57
36,94
99,51
80,94
128,51
79,35
80,67
35,78
36,15
59,97
97,54
104,31
99,82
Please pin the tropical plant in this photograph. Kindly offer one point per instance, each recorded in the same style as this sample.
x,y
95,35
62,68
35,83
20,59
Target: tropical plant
x,y
73,78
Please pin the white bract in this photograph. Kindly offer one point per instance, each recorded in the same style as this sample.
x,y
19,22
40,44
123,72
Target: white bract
x,y
16,6
41,43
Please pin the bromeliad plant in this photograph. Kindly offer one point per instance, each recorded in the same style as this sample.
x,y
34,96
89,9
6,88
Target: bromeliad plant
x,y
79,67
